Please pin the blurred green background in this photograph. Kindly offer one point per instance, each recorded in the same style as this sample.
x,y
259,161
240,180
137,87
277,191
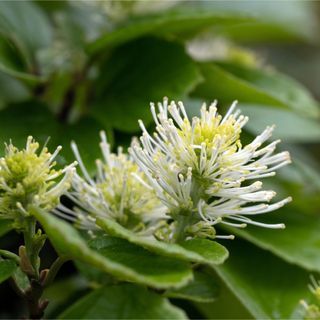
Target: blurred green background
x,y
71,68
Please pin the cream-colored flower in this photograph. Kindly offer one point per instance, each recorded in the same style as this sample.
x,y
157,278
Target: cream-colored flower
x,y
119,192
200,168
28,177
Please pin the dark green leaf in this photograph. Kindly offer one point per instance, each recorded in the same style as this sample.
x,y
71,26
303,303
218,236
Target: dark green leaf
x,y
7,268
171,23
266,285
116,256
128,82
125,301
203,288
169,271
299,243
196,250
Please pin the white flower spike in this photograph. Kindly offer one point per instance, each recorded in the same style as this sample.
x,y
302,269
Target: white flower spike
x,y
199,166
120,192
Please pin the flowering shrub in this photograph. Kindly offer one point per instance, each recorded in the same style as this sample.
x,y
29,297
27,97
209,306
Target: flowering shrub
x,y
176,211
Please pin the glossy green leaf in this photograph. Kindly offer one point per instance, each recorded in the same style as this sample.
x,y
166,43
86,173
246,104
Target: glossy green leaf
x,y
265,284
124,301
5,226
286,123
169,272
196,250
150,68
171,23
298,243
227,83
7,268
203,288
115,256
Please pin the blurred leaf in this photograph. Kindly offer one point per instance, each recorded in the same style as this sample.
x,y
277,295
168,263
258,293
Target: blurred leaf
x,y
220,308
26,25
124,301
5,226
288,21
285,89
299,243
128,82
203,288
227,83
170,23
33,119
85,133
290,126
115,256
7,268
201,251
267,286
169,272
60,292
11,90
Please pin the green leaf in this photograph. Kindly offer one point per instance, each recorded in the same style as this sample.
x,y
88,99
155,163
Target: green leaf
x,y
125,301
203,288
7,268
299,243
171,23
285,89
117,256
266,285
34,119
286,123
5,226
169,272
285,22
156,67
11,90
22,21
196,250
227,83
84,133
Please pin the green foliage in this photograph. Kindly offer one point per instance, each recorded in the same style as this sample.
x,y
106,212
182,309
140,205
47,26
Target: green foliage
x,y
71,69
124,301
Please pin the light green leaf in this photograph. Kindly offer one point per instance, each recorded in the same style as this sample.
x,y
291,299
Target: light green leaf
x,y
117,256
5,226
286,123
203,288
22,21
227,83
266,285
286,22
7,268
171,23
299,243
283,88
157,67
196,250
124,301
